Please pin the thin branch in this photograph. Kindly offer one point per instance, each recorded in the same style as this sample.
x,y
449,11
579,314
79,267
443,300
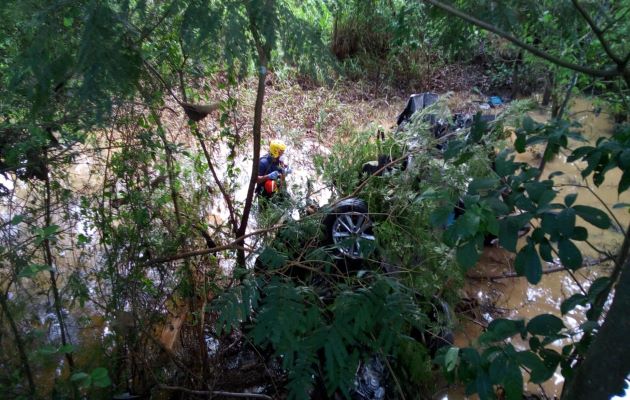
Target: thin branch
x,y
161,79
552,270
48,257
217,181
230,246
612,23
600,35
19,343
216,392
604,73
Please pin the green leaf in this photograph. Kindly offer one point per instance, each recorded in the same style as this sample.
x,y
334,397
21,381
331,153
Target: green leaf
x,y
468,224
513,382
31,270
67,348
467,255
551,359
519,143
453,149
544,325
67,21
528,124
483,386
482,185
549,223
470,356
82,239
50,230
503,165
536,190
593,216
508,234
17,219
538,370
579,153
597,287
528,263
624,182
566,222
492,225
621,205
498,368
624,159
570,255
100,377
569,304
79,376
580,234
501,328
450,360
554,174
272,258
440,216
570,199
545,251
48,350
508,230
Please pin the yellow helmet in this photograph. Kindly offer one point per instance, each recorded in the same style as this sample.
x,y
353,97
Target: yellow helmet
x,y
276,148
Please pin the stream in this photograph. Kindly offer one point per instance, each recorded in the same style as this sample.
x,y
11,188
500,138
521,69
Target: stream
x,y
515,298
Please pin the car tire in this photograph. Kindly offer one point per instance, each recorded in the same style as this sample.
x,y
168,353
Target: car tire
x,y
347,225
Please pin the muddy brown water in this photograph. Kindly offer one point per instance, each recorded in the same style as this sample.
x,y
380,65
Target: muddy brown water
x,y
515,298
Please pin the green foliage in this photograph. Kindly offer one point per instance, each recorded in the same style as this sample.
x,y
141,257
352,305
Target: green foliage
x,y
310,335
497,363
99,377
95,81
555,232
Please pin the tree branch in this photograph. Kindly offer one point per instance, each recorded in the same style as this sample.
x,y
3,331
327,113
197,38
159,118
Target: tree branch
x,y
19,343
217,181
256,129
216,392
607,73
600,35
232,245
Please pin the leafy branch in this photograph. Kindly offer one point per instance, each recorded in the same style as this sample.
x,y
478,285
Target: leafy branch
x,y
620,70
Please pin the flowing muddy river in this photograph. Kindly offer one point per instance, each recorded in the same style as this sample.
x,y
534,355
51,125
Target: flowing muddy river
x,y
515,298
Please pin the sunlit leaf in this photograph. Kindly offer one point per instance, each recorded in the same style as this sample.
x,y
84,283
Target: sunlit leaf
x,y
450,360
32,269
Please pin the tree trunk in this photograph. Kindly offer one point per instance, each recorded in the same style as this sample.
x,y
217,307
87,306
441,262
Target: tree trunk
x,y
607,361
26,367
515,80
264,52
258,109
549,82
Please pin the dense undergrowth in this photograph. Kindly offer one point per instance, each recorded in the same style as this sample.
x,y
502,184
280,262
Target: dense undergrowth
x,y
127,139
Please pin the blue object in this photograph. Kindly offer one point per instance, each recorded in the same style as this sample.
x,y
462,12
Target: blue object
x,y
451,219
495,101
274,175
